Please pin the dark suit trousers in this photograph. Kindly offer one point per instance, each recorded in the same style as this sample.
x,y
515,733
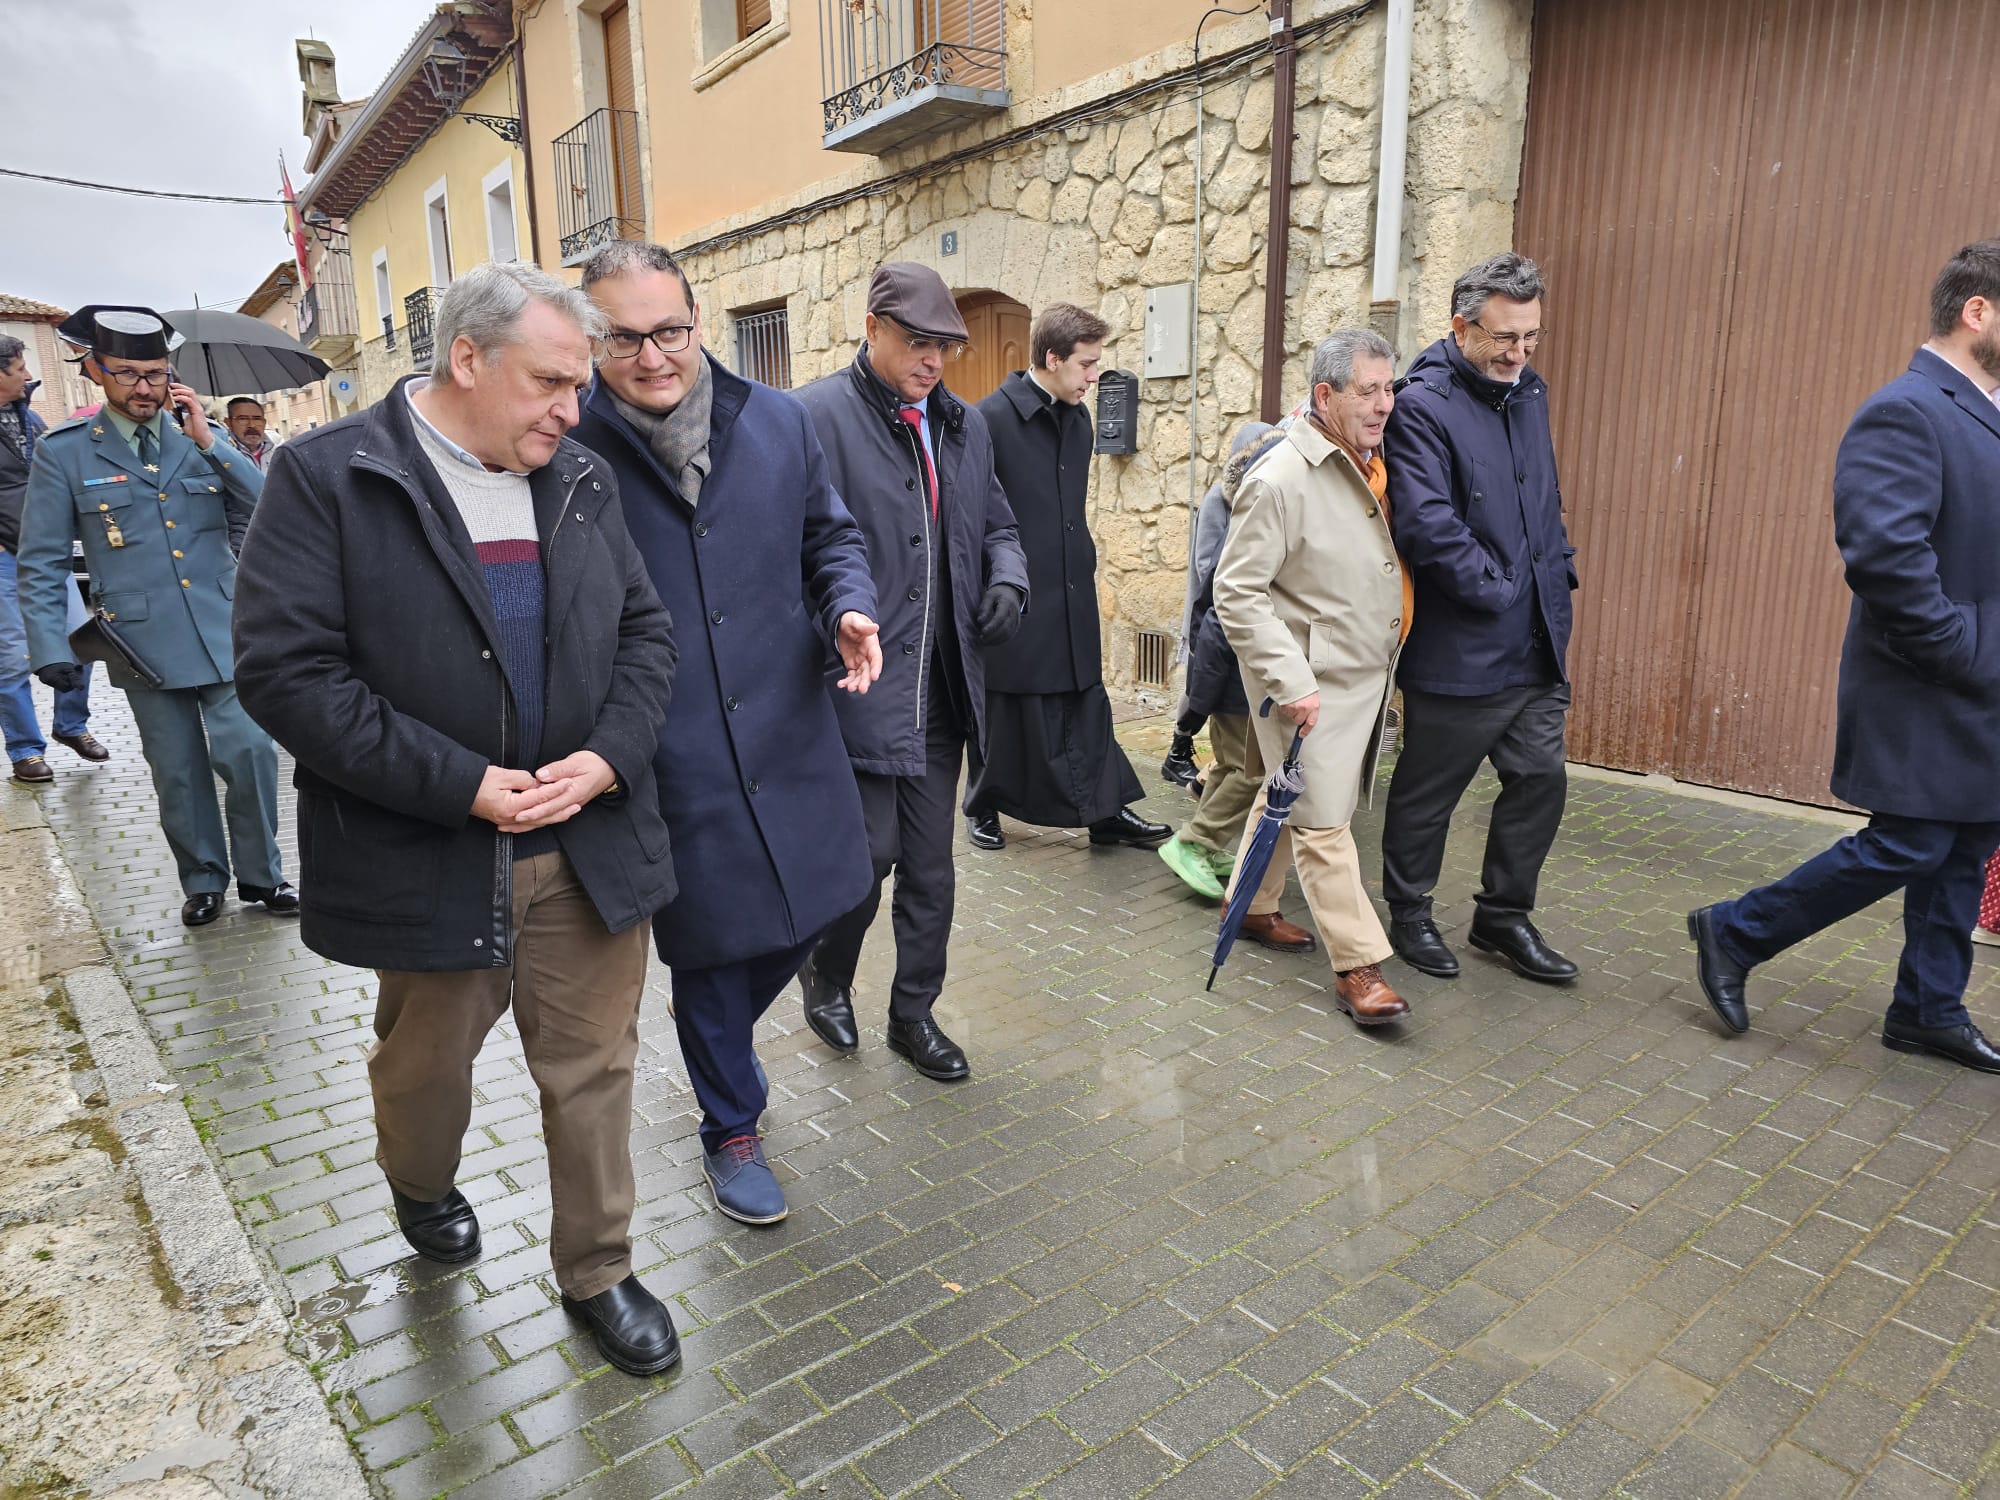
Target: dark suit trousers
x,y
1444,740
1939,867
714,1012
911,821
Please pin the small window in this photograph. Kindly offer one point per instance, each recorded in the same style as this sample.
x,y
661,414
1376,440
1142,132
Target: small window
x,y
501,240
385,308
1154,658
437,225
764,345
751,16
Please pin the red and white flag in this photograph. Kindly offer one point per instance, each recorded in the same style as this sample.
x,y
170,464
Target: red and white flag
x,y
296,225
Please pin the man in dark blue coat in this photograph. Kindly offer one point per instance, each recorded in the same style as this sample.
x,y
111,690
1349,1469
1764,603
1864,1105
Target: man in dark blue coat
x,y
1478,518
1916,513
723,481
915,465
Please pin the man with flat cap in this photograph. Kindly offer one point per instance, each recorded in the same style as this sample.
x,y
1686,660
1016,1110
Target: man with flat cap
x,y
152,500
915,467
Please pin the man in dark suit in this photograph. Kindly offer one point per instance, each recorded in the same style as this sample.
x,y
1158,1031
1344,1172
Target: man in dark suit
x,y
1916,512
721,480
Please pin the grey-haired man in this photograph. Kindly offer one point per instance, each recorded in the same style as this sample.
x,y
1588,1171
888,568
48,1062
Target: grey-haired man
x,y
441,615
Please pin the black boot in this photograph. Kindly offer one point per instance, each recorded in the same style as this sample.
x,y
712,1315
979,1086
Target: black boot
x,y
632,1327
1179,768
446,1231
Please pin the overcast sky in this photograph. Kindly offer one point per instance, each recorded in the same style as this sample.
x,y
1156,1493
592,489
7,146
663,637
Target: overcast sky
x,y
194,96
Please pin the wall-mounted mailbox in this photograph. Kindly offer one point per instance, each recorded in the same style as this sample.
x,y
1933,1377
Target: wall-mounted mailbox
x,y
1117,412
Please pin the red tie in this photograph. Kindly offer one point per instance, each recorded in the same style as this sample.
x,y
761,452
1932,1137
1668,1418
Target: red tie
x,y
916,420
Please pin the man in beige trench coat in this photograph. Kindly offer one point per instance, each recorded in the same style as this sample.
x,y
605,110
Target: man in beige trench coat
x,y
1316,602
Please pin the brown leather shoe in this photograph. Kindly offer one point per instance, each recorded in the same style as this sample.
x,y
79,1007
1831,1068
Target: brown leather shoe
x,y
84,744
1364,996
33,770
1274,932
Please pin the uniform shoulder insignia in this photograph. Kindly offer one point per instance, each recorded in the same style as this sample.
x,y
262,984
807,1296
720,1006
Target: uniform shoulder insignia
x,y
74,424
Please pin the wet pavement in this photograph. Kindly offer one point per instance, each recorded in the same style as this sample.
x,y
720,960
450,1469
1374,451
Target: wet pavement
x,y
1167,1242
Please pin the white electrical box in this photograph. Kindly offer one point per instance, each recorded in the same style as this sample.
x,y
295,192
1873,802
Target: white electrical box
x,y
1169,317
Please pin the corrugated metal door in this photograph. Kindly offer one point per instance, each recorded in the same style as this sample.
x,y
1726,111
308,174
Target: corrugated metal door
x,y
1740,205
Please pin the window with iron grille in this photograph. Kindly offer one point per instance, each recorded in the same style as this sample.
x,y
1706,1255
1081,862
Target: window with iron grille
x,y
1155,658
764,345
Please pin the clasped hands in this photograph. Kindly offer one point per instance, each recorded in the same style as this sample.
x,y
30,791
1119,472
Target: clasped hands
x,y
522,801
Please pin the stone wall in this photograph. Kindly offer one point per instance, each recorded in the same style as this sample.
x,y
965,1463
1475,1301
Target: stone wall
x,y
1098,214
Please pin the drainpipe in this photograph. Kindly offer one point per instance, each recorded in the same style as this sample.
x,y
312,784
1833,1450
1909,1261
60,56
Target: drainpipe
x,y
1385,312
1277,248
527,143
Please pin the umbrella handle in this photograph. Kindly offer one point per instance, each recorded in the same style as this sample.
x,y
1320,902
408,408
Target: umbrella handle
x,y
1298,735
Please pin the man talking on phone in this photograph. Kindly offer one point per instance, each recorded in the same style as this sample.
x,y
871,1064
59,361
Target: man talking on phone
x,y
151,490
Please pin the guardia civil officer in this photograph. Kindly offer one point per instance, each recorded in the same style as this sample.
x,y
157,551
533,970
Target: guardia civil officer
x,y
151,500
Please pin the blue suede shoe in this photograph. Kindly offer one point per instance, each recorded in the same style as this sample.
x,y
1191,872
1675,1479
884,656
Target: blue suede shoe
x,y
743,1185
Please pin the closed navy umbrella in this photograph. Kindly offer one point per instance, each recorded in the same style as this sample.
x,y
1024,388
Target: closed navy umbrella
x,y
1280,792
227,354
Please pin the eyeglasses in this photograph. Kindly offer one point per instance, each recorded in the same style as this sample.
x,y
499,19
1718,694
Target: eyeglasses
x,y
622,343
918,343
1526,340
127,380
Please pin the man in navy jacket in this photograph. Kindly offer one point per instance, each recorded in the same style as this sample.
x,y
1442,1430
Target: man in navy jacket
x,y
1916,512
1478,519
726,493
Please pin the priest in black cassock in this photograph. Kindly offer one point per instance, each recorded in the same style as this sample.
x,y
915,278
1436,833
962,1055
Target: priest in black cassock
x,y
1051,759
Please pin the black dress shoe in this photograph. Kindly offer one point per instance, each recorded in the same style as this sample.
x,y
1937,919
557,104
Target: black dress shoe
x,y
446,1231
1721,976
201,908
929,1050
1179,769
632,1327
829,1009
1965,1045
1128,828
983,830
281,898
83,744
1418,944
1515,939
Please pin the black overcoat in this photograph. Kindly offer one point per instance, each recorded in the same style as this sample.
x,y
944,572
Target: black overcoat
x,y
876,468
366,645
753,778
1041,453
1916,513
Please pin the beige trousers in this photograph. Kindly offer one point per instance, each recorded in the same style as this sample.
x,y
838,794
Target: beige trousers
x,y
1330,875
574,989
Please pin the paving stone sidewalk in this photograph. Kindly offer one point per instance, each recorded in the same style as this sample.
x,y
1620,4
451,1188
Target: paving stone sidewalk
x,y
1166,1242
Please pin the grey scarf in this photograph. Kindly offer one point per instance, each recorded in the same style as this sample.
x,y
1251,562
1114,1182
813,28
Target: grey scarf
x,y
679,438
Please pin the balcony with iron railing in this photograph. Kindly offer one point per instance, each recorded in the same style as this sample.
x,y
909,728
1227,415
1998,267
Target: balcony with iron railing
x,y
892,71
327,322
598,193
419,309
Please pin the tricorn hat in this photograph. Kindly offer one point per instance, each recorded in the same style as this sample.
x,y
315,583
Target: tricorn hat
x,y
121,332
915,296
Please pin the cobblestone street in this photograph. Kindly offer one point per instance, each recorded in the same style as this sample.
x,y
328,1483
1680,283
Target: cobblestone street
x,y
1165,1242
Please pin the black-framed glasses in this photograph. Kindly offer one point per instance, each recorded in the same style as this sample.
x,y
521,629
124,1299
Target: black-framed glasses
x,y
670,338
1526,340
127,380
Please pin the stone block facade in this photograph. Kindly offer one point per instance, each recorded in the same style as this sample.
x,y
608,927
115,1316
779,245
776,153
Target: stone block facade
x,y
1098,213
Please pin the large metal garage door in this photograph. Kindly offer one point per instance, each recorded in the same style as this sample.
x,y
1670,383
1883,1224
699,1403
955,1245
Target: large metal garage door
x,y
1739,205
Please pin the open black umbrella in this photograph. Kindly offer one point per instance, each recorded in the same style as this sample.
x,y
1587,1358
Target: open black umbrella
x,y
231,354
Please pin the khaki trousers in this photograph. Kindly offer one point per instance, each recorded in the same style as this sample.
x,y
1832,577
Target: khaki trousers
x,y
574,989
1229,787
1330,875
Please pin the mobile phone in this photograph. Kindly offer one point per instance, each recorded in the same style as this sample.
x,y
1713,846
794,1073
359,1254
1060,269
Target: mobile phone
x,y
181,408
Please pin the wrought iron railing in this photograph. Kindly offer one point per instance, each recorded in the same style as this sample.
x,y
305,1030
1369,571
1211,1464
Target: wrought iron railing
x,y
876,52
418,310
598,195
327,309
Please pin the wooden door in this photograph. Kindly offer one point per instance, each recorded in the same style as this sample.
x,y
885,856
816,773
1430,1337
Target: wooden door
x,y
621,96
996,329
1731,269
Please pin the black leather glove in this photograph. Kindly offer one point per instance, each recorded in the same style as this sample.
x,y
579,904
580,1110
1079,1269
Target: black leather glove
x,y
63,676
998,619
